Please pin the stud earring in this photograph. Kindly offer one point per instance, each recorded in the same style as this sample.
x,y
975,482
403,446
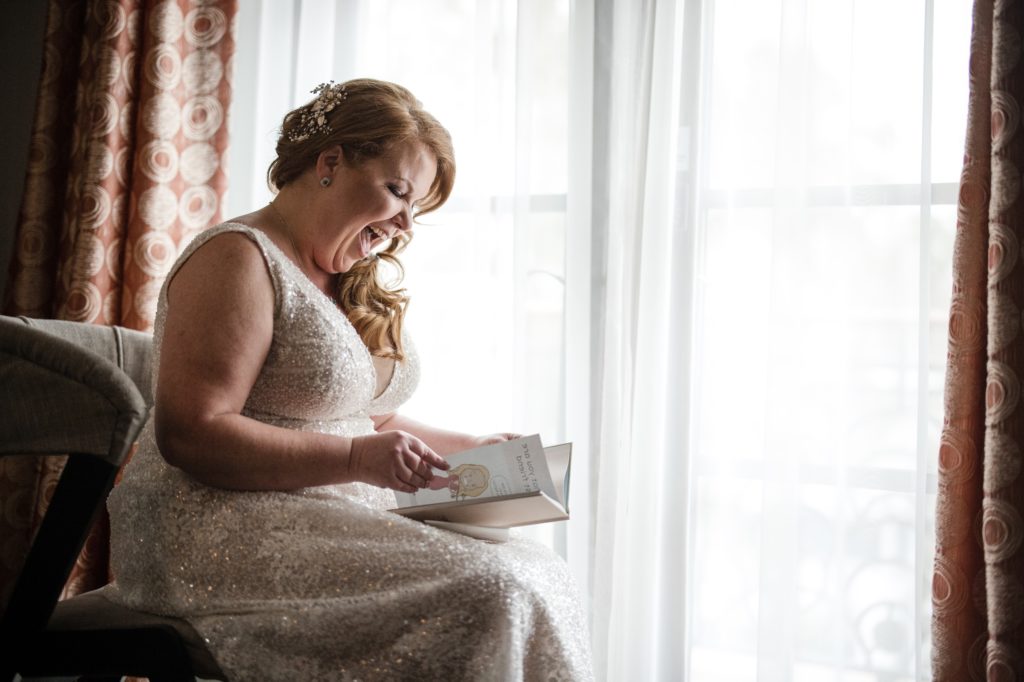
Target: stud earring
x,y
325,181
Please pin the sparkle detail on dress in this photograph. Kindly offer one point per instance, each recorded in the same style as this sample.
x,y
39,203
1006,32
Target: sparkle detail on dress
x,y
324,583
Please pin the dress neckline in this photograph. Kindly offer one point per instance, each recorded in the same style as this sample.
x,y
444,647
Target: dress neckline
x,y
304,280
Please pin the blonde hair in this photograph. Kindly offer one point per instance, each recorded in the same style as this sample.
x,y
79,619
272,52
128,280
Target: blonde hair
x,y
373,118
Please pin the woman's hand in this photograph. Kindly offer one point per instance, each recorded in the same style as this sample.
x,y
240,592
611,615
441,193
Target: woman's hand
x,y
492,438
393,459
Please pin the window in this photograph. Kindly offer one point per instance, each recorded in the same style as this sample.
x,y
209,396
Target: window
x,y
832,139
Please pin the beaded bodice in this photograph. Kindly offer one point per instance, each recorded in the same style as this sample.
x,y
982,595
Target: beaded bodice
x,y
318,374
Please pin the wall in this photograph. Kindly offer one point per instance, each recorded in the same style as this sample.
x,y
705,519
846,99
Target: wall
x,y
21,52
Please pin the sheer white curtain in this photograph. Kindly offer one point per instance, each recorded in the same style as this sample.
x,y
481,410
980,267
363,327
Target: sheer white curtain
x,y
831,138
772,286
643,251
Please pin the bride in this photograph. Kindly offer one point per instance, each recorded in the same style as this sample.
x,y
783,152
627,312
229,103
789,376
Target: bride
x,y
256,505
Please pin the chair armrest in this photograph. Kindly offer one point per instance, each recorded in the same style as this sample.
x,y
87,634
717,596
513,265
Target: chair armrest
x,y
56,397
129,349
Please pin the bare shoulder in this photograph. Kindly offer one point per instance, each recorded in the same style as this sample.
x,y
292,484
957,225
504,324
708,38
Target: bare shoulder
x,y
234,248
226,263
222,298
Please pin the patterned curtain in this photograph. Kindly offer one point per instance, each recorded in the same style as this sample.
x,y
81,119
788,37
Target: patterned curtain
x,y
978,584
126,165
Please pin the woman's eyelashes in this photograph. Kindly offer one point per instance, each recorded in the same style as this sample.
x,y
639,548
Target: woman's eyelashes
x,y
397,191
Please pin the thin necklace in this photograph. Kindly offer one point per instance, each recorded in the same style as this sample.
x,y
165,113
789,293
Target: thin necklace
x,y
295,250
287,233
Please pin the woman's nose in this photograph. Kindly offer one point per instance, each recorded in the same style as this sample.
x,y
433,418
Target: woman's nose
x,y
403,219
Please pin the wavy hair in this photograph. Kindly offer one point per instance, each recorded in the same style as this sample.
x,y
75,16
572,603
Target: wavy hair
x,y
373,118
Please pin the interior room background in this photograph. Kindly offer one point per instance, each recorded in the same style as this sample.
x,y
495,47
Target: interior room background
x,y
752,378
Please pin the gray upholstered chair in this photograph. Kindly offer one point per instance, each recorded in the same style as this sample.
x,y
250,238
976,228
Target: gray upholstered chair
x,y
74,388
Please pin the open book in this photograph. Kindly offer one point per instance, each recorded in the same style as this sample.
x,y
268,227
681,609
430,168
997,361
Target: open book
x,y
514,483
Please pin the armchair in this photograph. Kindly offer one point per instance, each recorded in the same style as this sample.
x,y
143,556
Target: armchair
x,y
69,387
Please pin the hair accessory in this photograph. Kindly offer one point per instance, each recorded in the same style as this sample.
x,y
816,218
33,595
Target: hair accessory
x,y
325,181
313,120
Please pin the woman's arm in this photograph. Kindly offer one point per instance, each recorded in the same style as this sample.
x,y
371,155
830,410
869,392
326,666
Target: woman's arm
x,y
217,334
441,441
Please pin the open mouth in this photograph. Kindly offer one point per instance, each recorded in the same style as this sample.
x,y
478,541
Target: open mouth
x,y
378,233
371,237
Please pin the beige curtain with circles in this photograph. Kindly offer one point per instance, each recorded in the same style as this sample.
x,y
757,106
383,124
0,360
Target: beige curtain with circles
x,y
126,165
978,583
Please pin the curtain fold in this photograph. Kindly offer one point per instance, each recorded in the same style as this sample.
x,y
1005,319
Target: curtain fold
x,y
978,581
125,167
640,459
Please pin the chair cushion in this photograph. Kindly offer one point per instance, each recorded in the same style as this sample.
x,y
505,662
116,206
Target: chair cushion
x,y
93,612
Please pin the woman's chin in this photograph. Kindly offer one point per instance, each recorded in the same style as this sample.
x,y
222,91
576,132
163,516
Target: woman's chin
x,y
343,264
348,261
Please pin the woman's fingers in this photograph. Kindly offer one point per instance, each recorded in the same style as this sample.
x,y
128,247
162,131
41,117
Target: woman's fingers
x,y
409,474
422,468
415,470
492,438
425,460
432,459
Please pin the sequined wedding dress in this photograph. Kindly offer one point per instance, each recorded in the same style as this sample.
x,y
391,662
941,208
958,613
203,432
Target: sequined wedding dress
x,y
324,583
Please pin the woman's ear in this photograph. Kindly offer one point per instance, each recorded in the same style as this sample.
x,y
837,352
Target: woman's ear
x,y
329,161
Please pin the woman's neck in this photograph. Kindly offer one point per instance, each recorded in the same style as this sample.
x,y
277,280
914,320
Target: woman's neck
x,y
287,231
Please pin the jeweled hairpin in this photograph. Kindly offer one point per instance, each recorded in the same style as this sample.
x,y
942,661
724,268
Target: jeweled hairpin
x,y
313,120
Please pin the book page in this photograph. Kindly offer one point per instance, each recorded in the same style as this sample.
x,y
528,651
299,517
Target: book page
x,y
559,457
508,468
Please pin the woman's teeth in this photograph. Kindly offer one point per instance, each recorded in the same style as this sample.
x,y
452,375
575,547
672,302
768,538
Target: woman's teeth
x,y
378,233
